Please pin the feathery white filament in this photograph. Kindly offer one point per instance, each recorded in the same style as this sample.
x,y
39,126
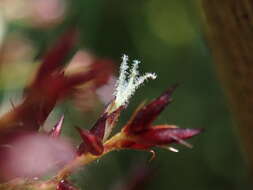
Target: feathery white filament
x,y
127,84
121,82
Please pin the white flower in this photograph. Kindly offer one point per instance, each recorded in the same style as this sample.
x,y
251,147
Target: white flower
x,y
128,83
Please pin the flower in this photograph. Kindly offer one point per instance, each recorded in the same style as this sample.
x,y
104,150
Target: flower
x,y
128,84
140,134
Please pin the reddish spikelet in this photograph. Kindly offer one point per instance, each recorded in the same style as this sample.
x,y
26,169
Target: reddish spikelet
x,y
162,135
44,91
65,185
53,59
91,143
100,126
53,83
50,86
93,73
140,134
56,131
144,116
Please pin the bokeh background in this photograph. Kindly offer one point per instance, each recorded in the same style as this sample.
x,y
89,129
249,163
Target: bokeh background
x,y
168,37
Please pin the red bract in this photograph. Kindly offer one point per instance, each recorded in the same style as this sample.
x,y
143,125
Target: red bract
x,y
53,59
91,143
99,129
26,153
158,136
56,131
92,139
145,115
166,134
51,85
140,134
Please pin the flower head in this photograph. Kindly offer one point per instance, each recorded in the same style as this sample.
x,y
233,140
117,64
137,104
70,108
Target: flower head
x,y
128,83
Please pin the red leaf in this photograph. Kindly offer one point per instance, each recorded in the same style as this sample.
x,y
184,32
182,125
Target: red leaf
x,y
162,135
55,56
158,136
144,117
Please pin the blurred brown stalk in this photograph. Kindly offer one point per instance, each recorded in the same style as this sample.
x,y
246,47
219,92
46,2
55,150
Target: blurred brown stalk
x,y
229,30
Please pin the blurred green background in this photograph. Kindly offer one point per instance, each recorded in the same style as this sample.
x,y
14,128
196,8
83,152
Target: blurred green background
x,y
168,37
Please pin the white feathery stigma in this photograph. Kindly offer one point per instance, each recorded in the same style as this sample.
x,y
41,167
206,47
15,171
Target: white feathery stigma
x,y
128,83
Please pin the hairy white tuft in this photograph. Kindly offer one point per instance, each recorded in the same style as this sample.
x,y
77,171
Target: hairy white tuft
x,y
128,83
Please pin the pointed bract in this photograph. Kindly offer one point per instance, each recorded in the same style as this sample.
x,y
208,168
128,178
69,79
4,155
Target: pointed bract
x,y
144,116
161,135
91,143
103,124
56,131
99,128
111,122
164,134
53,59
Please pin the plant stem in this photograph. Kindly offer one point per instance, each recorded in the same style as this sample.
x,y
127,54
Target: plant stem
x,y
80,161
230,34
